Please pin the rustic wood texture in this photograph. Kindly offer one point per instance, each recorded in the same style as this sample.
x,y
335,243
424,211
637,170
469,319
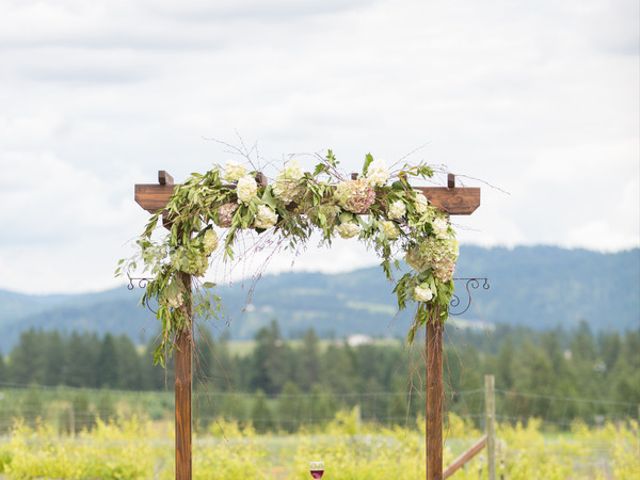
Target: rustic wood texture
x,y
459,462
152,197
451,180
183,363
454,201
434,397
164,178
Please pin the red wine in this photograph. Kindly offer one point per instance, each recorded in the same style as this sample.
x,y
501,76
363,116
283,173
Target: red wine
x,y
317,474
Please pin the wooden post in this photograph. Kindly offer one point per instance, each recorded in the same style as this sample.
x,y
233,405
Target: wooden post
x,y
435,396
183,362
490,416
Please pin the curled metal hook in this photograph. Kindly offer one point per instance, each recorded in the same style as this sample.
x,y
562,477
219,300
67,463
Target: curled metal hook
x,y
140,282
471,283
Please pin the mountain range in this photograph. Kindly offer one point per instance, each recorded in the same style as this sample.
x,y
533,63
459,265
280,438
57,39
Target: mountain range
x,y
539,287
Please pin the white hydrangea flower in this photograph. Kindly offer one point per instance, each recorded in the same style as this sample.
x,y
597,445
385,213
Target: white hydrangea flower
x,y
422,293
210,241
435,254
441,227
287,185
246,189
233,171
390,230
348,229
397,210
377,173
421,203
292,171
265,218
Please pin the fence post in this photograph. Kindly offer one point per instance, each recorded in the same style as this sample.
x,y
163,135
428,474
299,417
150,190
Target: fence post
x,y
490,415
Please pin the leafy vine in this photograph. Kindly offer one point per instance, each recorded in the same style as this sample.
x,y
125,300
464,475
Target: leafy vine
x,y
207,213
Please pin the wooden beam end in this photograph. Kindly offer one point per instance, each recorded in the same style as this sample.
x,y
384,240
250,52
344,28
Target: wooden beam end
x,y
164,178
451,180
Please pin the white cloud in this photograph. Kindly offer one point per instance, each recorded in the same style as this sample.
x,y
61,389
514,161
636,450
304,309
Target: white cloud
x,y
538,98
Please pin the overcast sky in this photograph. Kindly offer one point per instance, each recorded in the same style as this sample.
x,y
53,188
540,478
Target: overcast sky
x,y
539,98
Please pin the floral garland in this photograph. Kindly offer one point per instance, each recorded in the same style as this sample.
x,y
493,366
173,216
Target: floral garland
x,y
378,207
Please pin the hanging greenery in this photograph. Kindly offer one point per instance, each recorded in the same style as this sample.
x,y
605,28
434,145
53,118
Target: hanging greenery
x,y
210,210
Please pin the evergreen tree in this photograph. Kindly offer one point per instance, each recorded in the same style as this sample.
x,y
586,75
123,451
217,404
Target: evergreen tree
x,y
107,366
81,360
261,414
129,368
308,366
290,407
271,366
27,360
55,355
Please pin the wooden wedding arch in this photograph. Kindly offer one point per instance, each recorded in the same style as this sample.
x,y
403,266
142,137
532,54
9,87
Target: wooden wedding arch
x,y
450,199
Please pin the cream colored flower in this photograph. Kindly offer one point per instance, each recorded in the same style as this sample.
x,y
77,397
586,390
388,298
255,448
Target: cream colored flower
x,y
292,170
377,173
265,218
421,203
287,185
172,296
234,171
355,196
422,293
441,227
210,241
390,230
348,230
437,254
397,210
246,189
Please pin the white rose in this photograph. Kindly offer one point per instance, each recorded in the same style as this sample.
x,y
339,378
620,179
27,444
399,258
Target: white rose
x,y
265,218
246,189
441,227
421,203
397,210
348,230
233,171
390,230
422,293
377,173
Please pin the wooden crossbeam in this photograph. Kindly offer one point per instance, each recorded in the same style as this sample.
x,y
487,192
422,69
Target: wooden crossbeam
x,y
451,199
464,457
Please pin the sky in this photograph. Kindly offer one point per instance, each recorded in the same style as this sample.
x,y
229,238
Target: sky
x,y
536,99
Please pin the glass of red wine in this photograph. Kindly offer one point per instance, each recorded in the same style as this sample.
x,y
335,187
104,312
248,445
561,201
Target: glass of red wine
x,y
317,469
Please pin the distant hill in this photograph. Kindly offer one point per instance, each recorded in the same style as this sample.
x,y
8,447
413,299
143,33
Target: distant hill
x,y
539,287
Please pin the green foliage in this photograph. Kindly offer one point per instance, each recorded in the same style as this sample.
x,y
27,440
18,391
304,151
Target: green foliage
x,y
397,219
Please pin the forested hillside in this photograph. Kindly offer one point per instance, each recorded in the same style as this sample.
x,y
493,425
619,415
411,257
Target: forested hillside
x,y
538,287
544,366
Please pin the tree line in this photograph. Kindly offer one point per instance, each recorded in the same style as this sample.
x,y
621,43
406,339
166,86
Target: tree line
x,y
557,375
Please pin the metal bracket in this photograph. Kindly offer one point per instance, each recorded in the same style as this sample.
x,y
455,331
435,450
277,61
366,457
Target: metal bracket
x,y
472,283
